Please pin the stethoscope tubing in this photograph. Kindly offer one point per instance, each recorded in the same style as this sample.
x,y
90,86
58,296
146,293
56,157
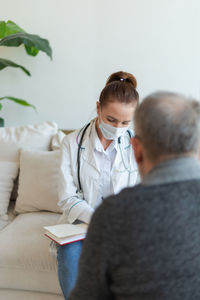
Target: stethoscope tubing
x,y
78,156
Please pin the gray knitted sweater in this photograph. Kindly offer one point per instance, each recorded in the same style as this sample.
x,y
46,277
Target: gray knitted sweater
x,y
144,243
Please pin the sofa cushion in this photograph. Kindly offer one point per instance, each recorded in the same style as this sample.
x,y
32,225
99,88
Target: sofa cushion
x,y
35,137
8,172
25,261
38,181
57,140
10,216
7,294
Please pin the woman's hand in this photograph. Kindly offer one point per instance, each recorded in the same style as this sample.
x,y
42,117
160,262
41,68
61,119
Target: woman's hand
x,y
86,215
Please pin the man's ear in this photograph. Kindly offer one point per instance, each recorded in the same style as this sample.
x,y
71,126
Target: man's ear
x,y
137,149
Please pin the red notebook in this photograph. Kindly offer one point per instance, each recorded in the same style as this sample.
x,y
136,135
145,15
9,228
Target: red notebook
x,y
64,234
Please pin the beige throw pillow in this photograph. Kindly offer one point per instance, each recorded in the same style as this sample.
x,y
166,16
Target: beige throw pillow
x,y
57,140
38,181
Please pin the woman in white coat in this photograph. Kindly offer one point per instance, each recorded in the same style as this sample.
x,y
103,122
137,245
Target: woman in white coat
x,y
96,161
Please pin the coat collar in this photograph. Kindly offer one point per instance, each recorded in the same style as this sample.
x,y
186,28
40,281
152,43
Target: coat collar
x,y
88,144
173,170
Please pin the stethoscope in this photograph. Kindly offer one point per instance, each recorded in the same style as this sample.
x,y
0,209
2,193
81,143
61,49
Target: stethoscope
x,y
80,148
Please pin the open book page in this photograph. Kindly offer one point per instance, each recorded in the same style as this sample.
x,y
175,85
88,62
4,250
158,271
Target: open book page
x,y
66,240
66,230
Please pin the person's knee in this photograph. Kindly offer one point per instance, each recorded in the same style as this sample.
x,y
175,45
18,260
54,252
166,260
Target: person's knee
x,y
63,254
67,254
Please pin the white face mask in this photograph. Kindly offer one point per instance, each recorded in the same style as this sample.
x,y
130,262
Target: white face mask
x,y
110,132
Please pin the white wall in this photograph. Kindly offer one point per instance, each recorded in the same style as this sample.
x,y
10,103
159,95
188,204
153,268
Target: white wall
x,y
157,40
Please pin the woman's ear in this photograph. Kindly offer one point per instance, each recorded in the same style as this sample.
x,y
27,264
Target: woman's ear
x,y
98,107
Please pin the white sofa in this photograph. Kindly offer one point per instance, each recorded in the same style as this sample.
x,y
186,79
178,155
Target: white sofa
x,y
27,269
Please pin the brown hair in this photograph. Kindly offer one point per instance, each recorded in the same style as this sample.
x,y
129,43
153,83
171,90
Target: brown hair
x,y
120,86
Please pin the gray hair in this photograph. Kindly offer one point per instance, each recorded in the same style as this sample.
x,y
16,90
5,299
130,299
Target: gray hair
x,y
168,123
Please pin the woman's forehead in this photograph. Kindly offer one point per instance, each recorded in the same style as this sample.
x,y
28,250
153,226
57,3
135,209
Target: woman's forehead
x,y
118,109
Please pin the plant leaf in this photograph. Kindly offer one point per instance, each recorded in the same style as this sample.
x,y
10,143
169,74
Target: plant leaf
x,y
1,122
29,40
12,28
8,28
2,29
0,106
18,101
8,63
31,50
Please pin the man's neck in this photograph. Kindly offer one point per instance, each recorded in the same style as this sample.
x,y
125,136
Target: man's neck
x,y
150,164
174,169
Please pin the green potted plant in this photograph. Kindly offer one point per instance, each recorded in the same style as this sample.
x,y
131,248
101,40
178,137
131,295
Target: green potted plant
x,y
11,35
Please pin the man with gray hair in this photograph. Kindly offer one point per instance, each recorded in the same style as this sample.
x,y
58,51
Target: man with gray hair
x,y
144,243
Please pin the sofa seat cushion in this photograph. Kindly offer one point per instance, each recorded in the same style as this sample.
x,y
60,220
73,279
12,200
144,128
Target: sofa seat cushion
x,y
6,294
11,216
25,260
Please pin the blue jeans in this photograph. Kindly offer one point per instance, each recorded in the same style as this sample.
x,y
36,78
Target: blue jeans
x,y
68,257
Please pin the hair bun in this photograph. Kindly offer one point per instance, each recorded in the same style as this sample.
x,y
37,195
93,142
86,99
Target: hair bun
x,y
123,77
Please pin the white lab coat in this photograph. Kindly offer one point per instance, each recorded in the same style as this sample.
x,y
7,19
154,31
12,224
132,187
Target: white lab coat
x,y
74,203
